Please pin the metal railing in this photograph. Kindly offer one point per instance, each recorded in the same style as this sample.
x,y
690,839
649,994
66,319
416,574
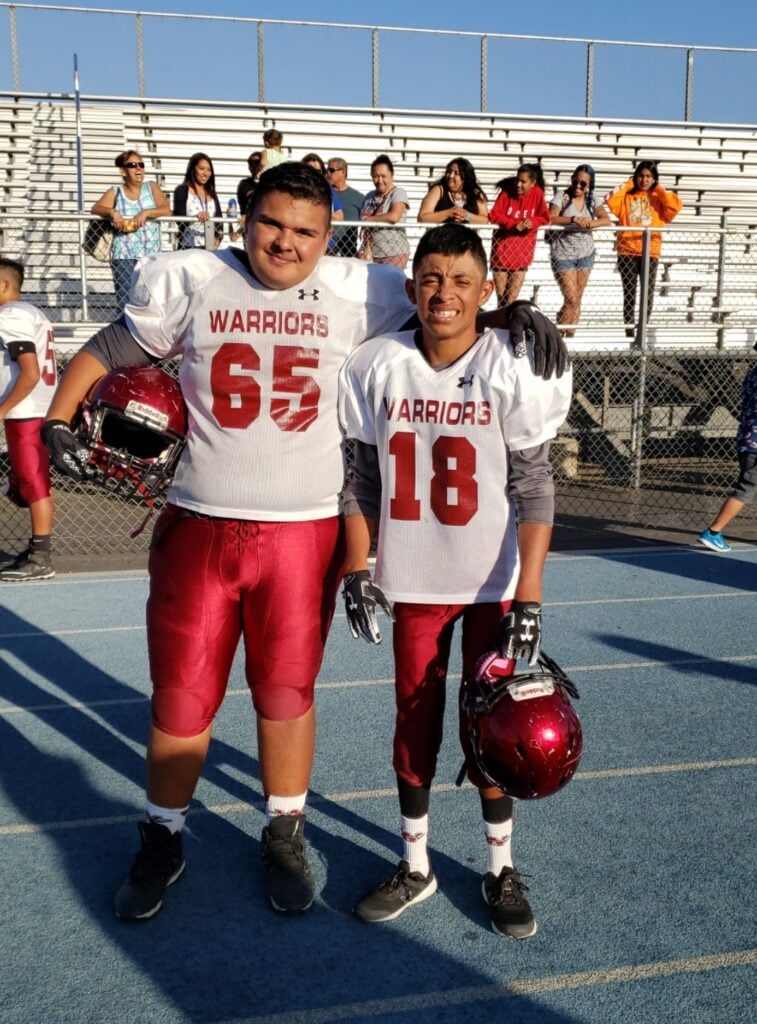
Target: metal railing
x,y
700,292
275,40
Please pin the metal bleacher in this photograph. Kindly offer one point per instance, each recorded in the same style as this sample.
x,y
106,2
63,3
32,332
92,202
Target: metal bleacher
x,y
713,167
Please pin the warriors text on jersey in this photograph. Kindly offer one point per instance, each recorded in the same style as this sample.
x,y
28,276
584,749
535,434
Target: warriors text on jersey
x,y
24,329
259,375
447,531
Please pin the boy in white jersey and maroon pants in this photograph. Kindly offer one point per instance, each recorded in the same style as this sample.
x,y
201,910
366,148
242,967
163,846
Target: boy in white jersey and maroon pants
x,y
250,543
27,384
451,437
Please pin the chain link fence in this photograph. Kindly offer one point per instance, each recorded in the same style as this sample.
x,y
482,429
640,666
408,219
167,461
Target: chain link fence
x,y
648,447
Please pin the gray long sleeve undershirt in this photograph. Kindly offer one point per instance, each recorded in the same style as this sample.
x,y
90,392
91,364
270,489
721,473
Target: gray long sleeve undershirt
x,y
114,345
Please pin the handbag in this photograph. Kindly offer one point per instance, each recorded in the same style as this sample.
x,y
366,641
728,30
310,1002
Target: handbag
x,y
98,238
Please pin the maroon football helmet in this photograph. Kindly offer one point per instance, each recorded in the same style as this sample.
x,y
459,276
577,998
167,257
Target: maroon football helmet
x,y
523,734
134,421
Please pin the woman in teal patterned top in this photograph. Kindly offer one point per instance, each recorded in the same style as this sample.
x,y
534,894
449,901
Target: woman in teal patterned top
x,y
132,207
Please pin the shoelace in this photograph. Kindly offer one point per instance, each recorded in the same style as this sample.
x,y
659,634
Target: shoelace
x,y
285,848
400,880
510,890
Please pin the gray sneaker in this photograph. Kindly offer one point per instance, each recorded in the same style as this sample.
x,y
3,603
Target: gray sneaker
x,y
510,910
290,882
29,565
393,897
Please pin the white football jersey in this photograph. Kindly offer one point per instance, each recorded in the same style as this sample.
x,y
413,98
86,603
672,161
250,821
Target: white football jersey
x,y
22,322
259,374
447,528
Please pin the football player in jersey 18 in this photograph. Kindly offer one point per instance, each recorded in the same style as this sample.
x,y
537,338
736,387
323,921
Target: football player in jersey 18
x,y
27,383
261,335
451,438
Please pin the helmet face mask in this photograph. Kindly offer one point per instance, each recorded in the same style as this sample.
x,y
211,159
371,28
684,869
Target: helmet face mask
x,y
134,422
523,734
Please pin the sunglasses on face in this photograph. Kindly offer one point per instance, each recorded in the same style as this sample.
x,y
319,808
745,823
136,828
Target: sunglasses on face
x,y
580,184
135,165
332,170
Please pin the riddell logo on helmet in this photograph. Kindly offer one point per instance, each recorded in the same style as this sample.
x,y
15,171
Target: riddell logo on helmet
x,y
150,416
532,688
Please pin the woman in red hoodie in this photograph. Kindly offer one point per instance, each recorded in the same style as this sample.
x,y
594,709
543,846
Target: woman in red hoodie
x,y
520,209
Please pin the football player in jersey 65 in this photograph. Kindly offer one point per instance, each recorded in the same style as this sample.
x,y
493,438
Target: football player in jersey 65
x,y
261,335
451,437
27,383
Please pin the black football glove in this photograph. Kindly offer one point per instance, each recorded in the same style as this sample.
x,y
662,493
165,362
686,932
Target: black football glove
x,y
520,631
528,325
67,452
361,595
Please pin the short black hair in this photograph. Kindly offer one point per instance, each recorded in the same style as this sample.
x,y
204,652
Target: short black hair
x,y
300,181
451,240
13,267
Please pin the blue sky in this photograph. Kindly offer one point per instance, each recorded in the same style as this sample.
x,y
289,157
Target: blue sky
x,y
186,59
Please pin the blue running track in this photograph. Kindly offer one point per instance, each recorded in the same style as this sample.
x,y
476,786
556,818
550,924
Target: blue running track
x,y
641,873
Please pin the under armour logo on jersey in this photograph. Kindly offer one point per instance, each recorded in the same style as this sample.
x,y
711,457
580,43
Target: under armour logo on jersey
x,y
301,293
465,382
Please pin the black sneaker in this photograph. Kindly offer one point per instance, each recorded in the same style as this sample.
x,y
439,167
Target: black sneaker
x,y
399,892
158,864
290,882
29,565
510,911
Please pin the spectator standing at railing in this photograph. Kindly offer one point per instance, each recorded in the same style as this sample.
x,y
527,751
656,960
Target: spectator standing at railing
x,y
519,211
745,488
272,155
197,197
246,186
27,385
641,202
456,196
576,214
132,208
386,203
345,239
314,161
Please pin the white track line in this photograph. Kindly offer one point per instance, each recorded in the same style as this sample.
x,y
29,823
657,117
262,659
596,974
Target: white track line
x,y
624,975
347,684
84,631
316,799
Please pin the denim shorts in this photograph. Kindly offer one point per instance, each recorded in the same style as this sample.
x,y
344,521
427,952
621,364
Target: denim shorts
x,y
582,263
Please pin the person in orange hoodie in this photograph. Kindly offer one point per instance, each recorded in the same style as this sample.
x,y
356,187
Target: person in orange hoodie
x,y
519,210
642,202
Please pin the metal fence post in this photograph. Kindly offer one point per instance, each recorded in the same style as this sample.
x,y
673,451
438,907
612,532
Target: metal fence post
x,y
14,50
589,79
718,315
689,85
140,58
484,73
640,403
641,331
261,63
375,68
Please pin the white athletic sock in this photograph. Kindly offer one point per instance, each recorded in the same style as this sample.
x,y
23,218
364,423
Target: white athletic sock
x,y
415,843
498,845
276,806
172,817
